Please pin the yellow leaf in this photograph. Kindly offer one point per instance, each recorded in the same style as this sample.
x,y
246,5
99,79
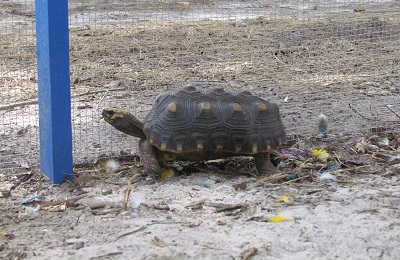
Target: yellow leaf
x,y
280,218
322,155
167,173
285,198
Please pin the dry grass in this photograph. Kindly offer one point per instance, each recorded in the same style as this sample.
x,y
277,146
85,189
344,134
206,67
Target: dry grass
x,y
246,53
322,65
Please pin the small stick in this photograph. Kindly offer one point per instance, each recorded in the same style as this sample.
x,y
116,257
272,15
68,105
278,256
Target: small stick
x,y
353,150
277,176
303,184
230,208
108,254
131,232
279,59
294,180
200,202
128,189
391,110
314,191
337,157
227,207
63,201
355,111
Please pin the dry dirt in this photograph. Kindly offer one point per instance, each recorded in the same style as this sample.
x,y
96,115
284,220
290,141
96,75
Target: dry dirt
x,y
210,211
220,211
330,221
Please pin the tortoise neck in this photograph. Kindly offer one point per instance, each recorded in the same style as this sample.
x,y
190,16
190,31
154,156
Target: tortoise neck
x,y
131,126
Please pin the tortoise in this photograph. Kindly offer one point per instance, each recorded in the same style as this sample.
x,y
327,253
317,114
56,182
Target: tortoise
x,y
197,125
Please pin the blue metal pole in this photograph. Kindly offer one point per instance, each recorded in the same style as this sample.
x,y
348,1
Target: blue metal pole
x,y
52,44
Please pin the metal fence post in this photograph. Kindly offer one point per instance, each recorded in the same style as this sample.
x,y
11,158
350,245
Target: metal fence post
x,y
52,43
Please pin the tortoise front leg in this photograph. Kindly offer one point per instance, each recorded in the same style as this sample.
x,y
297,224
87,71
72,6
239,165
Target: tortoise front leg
x,y
148,158
263,164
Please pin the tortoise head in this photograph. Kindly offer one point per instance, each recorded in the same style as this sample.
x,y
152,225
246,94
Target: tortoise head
x,y
124,121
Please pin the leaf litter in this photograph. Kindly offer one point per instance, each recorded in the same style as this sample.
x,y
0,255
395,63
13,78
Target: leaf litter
x,y
308,176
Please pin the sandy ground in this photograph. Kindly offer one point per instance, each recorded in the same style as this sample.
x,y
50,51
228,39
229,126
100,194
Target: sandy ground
x,y
331,221
350,213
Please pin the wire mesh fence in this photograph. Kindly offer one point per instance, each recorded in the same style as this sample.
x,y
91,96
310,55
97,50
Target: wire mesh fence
x,y
340,58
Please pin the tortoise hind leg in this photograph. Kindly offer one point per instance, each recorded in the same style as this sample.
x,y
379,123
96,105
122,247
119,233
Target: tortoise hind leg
x,y
148,158
264,165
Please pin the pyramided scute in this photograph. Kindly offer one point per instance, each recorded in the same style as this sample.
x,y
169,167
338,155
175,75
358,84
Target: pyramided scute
x,y
205,105
238,149
254,149
172,107
163,146
179,148
237,107
262,107
199,147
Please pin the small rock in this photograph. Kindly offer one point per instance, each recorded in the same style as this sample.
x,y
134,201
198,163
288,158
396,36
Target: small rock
x,y
113,84
71,241
395,202
79,245
97,206
375,253
106,192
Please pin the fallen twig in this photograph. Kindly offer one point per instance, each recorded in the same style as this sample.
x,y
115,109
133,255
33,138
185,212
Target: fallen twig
x,y
128,189
278,176
161,207
297,179
226,207
197,203
106,255
358,113
314,191
391,110
63,201
304,185
131,232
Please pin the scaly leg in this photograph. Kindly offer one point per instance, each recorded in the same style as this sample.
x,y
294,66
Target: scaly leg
x,y
148,158
263,164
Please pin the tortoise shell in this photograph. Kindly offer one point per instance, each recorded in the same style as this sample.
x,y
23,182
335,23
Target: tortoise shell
x,y
213,121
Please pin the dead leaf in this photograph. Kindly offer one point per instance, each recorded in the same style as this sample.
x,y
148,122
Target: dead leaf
x,y
197,204
159,242
360,148
279,218
193,225
248,253
161,207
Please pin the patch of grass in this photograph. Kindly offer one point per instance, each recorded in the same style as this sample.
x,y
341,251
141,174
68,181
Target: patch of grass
x,y
104,7
82,8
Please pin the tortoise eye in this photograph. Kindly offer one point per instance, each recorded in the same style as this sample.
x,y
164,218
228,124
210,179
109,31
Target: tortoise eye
x,y
108,113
